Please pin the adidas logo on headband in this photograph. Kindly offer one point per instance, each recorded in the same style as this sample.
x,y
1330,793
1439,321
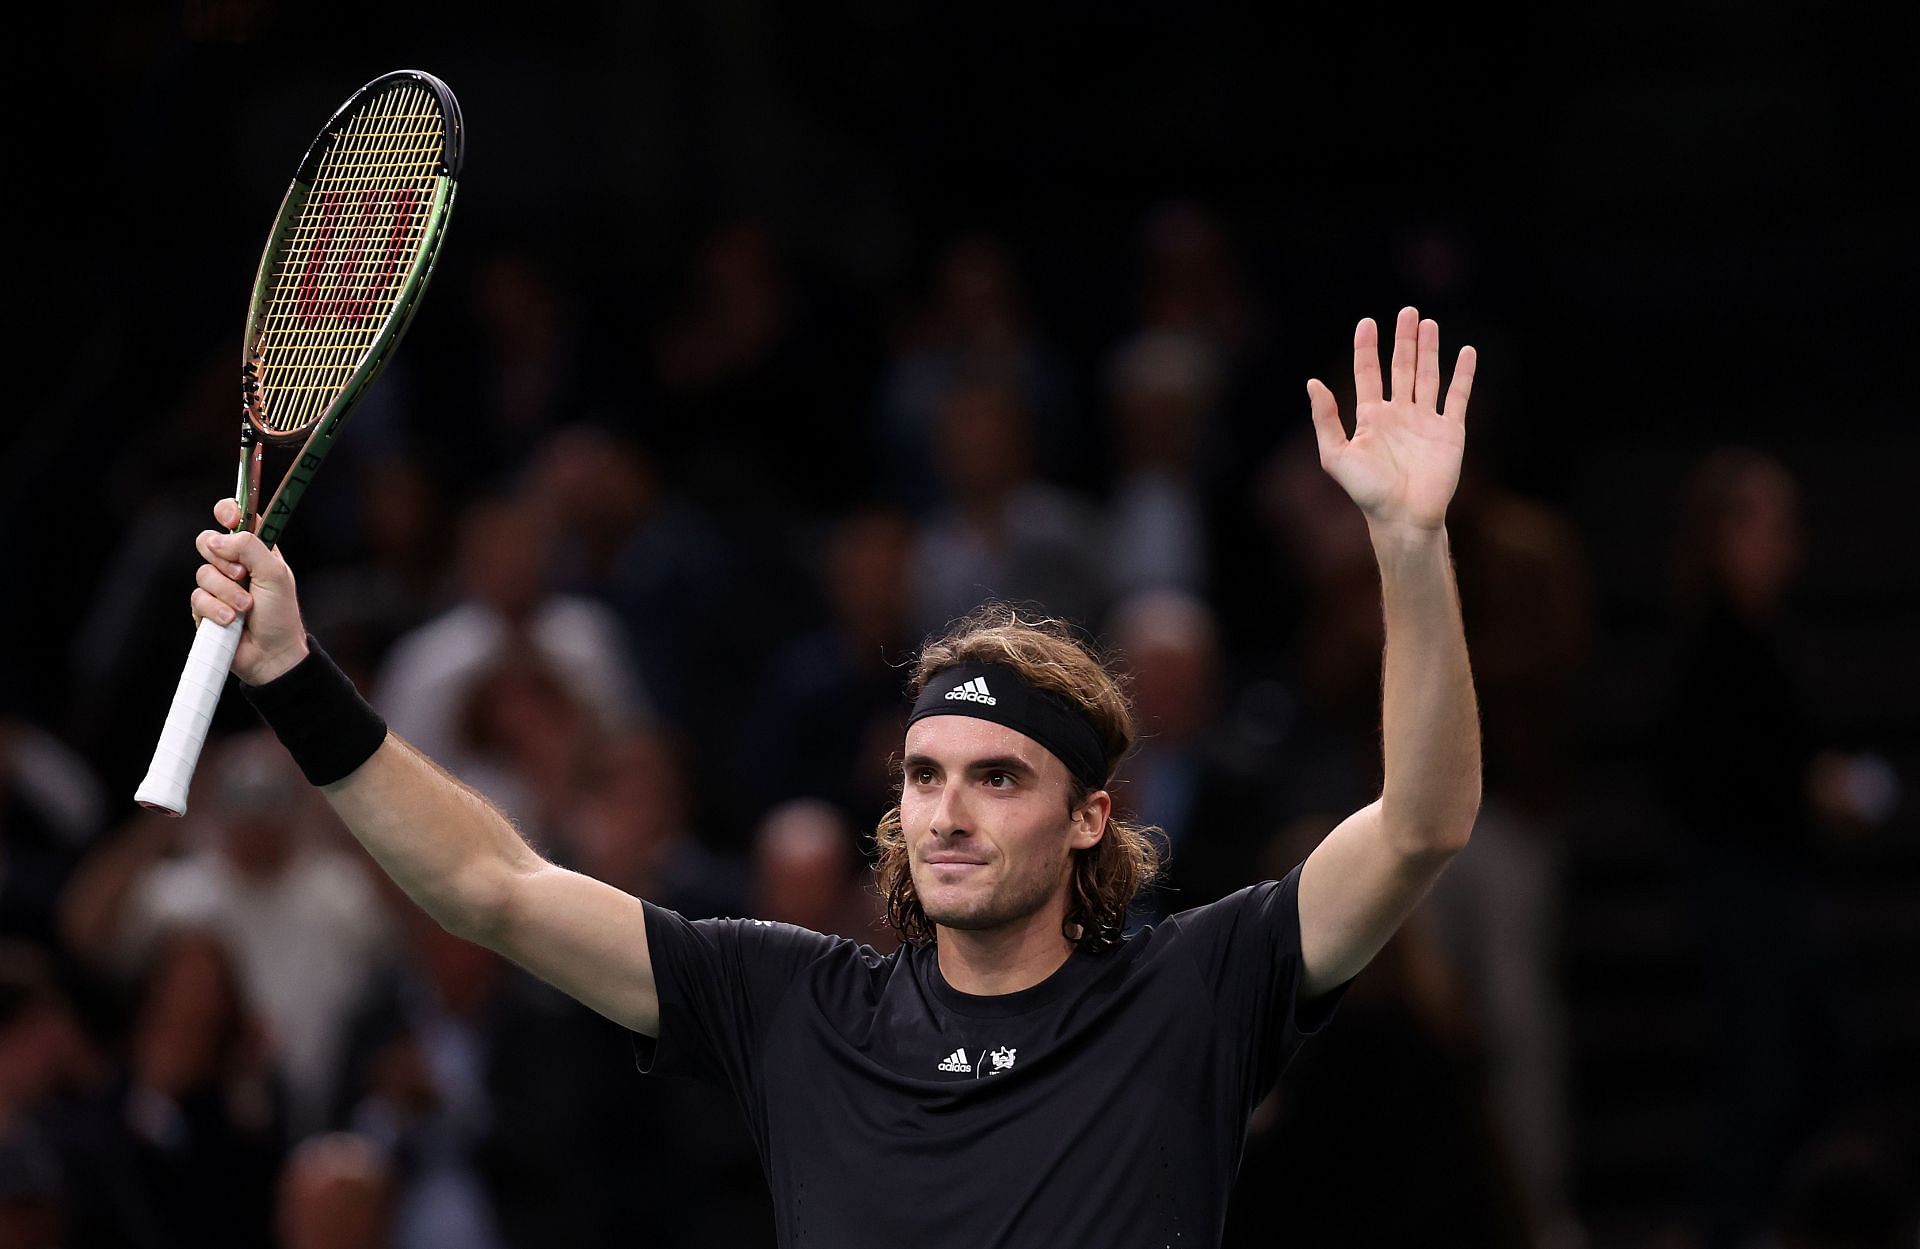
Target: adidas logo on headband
x,y
974,691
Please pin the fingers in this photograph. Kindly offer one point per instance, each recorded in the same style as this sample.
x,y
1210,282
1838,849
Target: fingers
x,y
1426,373
1327,430
1405,349
222,587
239,555
1366,362
226,513
207,607
1462,387
211,545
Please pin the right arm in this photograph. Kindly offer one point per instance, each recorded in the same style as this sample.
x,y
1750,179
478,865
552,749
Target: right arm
x,y
450,849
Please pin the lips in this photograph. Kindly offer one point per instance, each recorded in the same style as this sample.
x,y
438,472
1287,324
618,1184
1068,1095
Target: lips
x,y
948,860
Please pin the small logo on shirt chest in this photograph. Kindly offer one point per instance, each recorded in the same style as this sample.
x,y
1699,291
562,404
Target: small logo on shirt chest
x,y
1001,1058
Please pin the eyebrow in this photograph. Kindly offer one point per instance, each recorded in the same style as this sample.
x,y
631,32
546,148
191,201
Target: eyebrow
x,y
997,763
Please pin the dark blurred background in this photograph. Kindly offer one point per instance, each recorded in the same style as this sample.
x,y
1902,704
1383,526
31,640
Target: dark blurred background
x,y
769,338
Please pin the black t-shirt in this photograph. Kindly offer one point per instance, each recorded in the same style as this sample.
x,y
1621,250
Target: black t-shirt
x,y
1105,1106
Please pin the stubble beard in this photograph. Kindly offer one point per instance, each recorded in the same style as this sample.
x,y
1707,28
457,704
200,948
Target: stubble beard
x,y
1014,899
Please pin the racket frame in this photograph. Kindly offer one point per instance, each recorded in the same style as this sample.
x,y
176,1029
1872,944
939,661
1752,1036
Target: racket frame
x,y
272,519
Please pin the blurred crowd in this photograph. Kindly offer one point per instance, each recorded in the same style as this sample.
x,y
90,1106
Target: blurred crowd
x,y
651,588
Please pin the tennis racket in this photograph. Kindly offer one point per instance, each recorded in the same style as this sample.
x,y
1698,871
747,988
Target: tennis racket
x,y
348,258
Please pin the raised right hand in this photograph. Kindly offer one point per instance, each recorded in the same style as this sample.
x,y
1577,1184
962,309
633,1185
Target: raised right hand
x,y
242,574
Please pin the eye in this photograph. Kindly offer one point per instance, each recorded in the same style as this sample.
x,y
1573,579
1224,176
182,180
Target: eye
x,y
921,776
994,779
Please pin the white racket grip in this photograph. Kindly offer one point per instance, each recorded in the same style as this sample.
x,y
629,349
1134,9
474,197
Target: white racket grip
x,y
185,731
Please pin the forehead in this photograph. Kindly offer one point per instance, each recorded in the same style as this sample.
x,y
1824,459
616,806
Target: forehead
x,y
956,740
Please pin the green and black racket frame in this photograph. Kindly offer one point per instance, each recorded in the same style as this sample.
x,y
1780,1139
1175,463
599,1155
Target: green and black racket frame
x,y
350,254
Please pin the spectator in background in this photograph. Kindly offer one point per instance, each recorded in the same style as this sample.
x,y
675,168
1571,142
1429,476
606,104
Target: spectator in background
x,y
1164,386
335,1193
528,371
1393,1092
414,1083
806,872
1319,577
828,715
1497,911
1192,777
430,674
630,826
690,604
583,1155
40,1149
1193,282
975,324
51,810
400,576
521,733
754,386
1737,763
301,920
201,1118
1003,533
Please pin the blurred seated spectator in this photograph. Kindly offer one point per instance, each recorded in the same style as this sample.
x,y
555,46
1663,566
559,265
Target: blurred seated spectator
x,y
521,733
51,809
1003,532
336,1192
201,1117
584,1152
44,1142
1497,910
975,323
756,376
414,1081
1738,751
832,706
630,827
429,675
808,871
1194,776
1194,282
1389,1089
1164,386
399,575
301,918
694,603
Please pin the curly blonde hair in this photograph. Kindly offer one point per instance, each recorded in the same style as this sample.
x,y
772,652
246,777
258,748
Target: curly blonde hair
x,y
1048,654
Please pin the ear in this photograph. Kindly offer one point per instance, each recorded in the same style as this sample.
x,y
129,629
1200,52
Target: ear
x,y
1090,820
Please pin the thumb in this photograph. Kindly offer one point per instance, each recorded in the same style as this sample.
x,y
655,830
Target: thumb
x,y
1327,431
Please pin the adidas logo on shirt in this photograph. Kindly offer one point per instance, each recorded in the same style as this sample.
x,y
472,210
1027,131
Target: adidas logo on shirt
x,y
956,1061
974,691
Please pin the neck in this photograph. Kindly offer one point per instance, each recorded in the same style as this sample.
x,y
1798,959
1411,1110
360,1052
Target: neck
x,y
992,961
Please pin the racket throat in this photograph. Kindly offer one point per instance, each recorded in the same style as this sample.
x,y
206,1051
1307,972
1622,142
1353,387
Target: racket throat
x,y
246,489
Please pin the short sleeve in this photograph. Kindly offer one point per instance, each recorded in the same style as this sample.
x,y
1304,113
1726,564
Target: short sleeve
x,y
1247,947
721,982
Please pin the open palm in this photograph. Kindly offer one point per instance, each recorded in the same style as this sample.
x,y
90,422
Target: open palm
x,y
1403,461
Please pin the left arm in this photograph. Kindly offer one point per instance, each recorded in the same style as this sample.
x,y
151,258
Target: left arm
x,y
1401,466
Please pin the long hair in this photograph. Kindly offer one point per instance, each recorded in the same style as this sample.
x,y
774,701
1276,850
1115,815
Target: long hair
x,y
1047,654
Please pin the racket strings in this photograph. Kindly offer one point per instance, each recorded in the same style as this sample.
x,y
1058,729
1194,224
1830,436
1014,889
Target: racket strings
x,y
344,262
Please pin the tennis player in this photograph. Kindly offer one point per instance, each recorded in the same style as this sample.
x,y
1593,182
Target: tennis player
x,y
1018,1073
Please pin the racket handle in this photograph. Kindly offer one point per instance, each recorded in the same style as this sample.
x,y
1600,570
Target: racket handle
x,y
188,720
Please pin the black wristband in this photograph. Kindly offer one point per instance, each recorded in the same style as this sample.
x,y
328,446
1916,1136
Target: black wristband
x,y
319,717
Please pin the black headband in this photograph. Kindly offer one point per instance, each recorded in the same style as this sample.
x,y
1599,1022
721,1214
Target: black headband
x,y
996,692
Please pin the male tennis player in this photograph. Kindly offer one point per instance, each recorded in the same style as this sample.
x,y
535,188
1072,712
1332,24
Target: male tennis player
x,y
1018,1073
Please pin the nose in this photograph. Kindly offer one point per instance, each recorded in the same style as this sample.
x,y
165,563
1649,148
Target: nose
x,y
949,814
